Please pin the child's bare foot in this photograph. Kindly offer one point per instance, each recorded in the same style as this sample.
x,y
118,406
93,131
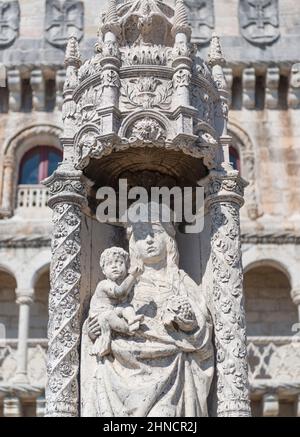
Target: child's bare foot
x,y
134,326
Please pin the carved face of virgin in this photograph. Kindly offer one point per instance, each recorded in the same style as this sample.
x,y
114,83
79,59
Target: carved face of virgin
x,y
150,241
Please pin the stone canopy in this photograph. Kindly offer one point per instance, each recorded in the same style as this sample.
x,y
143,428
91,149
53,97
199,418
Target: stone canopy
x,y
146,97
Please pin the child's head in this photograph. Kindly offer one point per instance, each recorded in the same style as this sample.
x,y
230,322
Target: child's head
x,y
114,263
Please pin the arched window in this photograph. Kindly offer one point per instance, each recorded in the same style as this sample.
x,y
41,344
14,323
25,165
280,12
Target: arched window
x,y
37,164
268,303
234,158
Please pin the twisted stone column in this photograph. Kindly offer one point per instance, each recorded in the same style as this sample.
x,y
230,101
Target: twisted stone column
x,y
68,196
224,199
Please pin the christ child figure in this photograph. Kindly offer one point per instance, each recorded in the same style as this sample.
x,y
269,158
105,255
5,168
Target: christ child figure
x,y
109,304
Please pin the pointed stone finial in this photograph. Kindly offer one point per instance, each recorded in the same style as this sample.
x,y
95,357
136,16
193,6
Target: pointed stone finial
x,y
72,55
111,19
181,24
215,55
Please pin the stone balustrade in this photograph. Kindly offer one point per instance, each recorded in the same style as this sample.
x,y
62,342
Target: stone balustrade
x,y
32,196
274,364
36,361
18,397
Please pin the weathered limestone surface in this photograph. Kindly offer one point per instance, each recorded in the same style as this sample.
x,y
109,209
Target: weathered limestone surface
x,y
111,104
266,137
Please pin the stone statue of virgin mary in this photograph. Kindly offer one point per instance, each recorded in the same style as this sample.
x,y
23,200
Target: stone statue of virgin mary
x,y
165,367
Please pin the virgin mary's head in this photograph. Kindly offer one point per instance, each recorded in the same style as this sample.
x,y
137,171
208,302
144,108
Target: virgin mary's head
x,y
152,242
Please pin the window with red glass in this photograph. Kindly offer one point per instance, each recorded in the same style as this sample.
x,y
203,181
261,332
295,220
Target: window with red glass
x,y
37,164
234,158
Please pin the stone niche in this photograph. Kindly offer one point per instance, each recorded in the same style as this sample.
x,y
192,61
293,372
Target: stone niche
x,y
146,108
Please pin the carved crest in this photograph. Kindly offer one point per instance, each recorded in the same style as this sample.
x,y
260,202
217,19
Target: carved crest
x,y
201,18
259,21
63,19
9,22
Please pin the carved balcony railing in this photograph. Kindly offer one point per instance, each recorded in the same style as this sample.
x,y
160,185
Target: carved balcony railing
x,y
274,364
11,389
37,349
32,196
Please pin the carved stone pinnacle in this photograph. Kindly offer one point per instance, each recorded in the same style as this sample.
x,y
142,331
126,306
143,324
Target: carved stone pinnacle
x,y
72,56
215,55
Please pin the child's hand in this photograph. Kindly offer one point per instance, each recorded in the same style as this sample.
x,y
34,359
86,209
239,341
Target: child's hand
x,y
136,271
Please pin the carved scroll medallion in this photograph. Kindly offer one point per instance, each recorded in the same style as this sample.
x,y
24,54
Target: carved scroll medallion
x,y
259,21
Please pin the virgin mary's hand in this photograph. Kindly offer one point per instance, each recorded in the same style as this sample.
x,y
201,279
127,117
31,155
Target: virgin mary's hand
x,y
94,329
178,313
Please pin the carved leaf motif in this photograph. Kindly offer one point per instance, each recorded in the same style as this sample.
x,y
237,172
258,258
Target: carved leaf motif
x,y
146,55
90,67
147,92
88,146
203,103
86,107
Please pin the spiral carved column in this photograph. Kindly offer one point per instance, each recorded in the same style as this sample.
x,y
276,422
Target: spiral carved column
x,y
224,199
68,197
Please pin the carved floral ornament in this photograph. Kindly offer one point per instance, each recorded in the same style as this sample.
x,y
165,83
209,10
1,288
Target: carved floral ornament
x,y
147,130
59,186
146,92
224,186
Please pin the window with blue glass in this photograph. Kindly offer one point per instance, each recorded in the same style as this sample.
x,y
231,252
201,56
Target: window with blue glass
x,y
234,158
37,164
